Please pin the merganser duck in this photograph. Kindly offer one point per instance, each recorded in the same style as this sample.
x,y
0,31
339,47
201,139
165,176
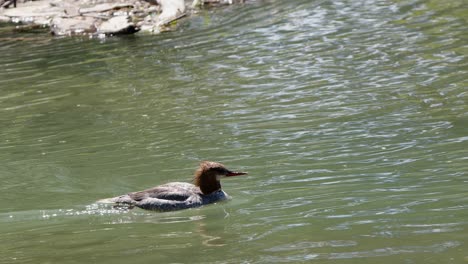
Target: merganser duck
x,y
181,195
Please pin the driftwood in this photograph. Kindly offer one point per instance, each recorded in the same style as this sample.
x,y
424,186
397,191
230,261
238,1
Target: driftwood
x,y
168,22
7,3
105,7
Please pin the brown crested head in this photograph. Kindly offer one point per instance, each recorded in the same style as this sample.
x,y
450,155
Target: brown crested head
x,y
208,174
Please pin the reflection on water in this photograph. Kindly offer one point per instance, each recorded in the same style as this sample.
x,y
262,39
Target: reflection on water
x,y
349,116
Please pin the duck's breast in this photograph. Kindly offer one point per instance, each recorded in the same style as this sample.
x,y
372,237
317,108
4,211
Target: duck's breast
x,y
215,197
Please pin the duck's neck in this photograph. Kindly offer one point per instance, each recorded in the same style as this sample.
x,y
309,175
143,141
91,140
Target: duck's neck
x,y
207,183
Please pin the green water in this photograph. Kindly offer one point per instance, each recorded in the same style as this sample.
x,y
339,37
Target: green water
x,y
350,117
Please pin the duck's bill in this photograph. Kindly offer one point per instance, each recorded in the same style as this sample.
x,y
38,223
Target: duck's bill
x,y
235,173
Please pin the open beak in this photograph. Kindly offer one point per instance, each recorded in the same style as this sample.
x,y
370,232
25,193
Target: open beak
x,y
235,173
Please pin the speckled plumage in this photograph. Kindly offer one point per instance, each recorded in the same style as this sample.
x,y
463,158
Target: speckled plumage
x,y
180,195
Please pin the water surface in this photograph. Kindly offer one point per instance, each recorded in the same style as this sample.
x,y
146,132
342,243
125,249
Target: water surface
x,y
350,116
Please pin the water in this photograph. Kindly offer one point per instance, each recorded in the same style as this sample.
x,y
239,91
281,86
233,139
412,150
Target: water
x,y
350,117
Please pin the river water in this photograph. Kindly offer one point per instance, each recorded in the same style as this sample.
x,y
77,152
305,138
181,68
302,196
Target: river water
x,y
350,117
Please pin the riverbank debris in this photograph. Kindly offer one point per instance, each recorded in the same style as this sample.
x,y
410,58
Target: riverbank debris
x,y
101,17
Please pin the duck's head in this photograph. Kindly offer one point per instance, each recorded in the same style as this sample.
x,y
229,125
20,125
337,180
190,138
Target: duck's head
x,y
208,175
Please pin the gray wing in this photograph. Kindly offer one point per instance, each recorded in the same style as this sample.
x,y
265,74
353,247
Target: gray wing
x,y
171,191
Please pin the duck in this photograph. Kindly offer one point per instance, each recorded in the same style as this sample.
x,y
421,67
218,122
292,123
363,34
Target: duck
x,y
206,189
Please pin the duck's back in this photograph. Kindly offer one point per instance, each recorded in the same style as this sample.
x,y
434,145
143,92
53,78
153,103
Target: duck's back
x,y
169,197
174,191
